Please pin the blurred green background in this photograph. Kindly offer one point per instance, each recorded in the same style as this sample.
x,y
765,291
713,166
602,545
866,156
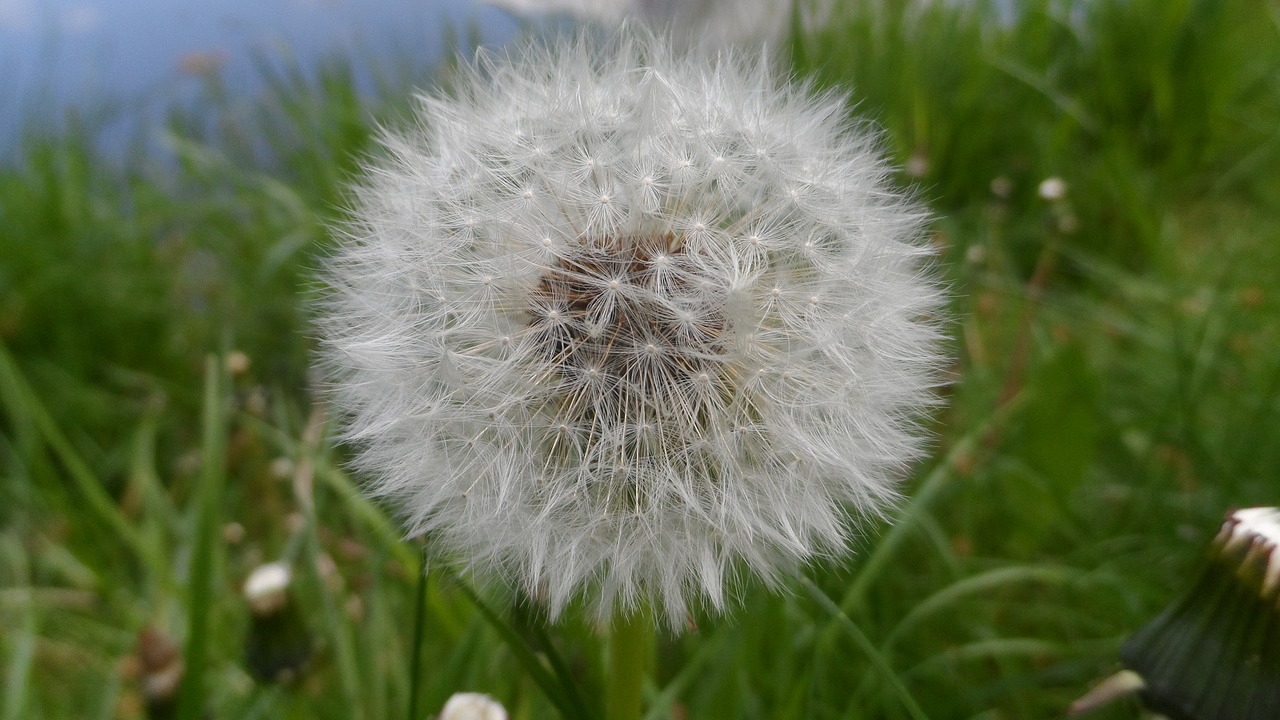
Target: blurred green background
x,y
1116,384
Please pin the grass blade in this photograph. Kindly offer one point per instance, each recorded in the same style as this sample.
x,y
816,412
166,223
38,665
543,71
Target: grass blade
x,y
914,512
558,690
204,543
19,667
24,406
981,583
864,643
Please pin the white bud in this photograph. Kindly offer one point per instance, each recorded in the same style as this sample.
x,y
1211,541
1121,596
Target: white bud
x,y
472,706
267,586
1258,526
1053,189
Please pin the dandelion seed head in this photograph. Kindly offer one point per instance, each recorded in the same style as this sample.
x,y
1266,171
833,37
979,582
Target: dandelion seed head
x,y
661,411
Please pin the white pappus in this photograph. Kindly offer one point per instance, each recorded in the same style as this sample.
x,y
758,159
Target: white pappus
x,y
616,320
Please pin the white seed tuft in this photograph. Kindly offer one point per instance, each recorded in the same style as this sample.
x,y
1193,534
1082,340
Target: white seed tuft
x,y
634,401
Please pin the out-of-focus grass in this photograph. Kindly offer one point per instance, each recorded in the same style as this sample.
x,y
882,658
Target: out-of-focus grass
x,y
1118,365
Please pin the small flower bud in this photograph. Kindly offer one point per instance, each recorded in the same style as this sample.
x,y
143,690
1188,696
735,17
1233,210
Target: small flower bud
x,y
1215,654
237,362
1053,189
278,644
160,660
918,164
472,706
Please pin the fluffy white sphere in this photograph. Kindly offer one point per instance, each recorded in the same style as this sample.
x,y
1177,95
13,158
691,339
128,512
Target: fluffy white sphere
x,y
620,320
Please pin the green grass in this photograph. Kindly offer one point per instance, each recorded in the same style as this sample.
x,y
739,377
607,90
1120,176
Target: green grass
x,y
1117,377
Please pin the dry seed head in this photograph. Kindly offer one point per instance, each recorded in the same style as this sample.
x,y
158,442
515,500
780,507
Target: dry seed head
x,y
618,320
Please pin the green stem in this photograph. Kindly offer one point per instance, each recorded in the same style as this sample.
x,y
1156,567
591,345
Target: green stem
x,y
630,662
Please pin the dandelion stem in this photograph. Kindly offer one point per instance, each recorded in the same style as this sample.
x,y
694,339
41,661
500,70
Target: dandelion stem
x,y
630,662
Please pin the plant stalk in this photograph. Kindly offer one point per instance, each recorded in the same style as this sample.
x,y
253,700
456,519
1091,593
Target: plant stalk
x,y
631,645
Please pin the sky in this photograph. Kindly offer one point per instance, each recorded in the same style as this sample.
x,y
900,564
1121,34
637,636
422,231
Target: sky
x,y
88,53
